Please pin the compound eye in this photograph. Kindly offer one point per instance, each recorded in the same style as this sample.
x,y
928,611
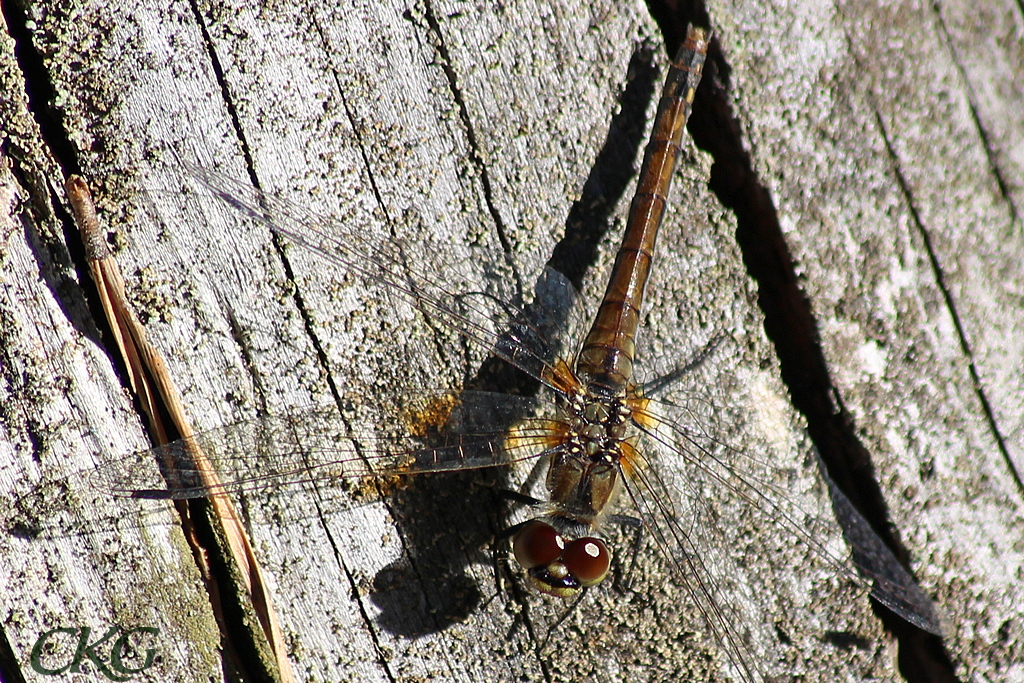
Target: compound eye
x,y
537,545
587,559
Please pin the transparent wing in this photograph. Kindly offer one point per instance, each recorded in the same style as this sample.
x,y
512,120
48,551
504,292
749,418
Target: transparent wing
x,y
443,433
687,497
677,518
891,584
320,445
497,320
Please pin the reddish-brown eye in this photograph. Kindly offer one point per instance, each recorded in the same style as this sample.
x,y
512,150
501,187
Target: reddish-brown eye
x,y
587,559
537,545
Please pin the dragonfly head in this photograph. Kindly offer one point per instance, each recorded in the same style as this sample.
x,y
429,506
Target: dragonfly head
x,y
557,567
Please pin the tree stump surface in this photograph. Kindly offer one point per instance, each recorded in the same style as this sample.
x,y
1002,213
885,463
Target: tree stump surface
x,y
869,153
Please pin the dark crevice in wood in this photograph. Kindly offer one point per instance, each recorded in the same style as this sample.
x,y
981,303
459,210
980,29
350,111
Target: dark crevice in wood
x,y
76,297
10,669
39,88
427,575
475,156
240,336
225,91
364,615
673,16
247,650
990,154
250,166
791,326
303,311
1015,218
247,654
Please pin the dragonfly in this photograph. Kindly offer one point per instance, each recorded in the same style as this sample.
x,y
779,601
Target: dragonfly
x,y
594,435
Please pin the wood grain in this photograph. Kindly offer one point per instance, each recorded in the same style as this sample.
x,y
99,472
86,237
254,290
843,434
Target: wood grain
x,y
886,137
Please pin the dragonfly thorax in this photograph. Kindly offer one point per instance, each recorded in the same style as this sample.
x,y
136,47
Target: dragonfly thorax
x,y
583,472
598,423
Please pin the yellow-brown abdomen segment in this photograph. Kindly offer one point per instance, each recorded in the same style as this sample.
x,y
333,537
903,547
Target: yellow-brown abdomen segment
x,y
606,359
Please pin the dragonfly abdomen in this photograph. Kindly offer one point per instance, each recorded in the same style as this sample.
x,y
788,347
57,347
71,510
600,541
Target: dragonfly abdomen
x,y
606,359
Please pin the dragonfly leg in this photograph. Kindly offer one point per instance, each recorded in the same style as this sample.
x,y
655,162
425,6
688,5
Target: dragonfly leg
x,y
656,386
519,498
536,471
499,549
565,615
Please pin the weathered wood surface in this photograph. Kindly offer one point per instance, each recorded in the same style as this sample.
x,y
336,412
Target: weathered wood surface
x,y
892,152
886,138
